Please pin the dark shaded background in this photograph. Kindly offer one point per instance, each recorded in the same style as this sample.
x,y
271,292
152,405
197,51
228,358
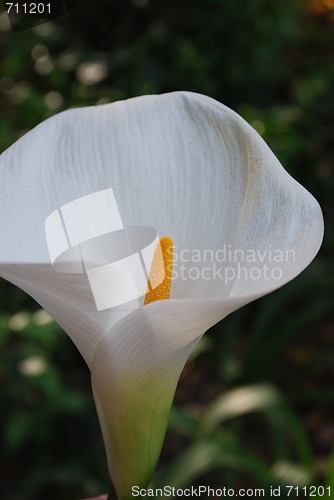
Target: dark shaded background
x,y
272,62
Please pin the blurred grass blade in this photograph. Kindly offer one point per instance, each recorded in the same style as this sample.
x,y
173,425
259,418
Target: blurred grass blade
x,y
182,422
221,453
258,398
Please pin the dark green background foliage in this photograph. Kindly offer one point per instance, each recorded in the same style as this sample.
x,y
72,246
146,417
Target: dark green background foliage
x,y
272,61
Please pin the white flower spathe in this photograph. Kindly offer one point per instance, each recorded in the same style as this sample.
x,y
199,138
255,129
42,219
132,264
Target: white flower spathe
x,y
188,167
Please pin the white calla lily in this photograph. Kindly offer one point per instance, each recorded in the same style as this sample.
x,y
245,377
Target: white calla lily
x,y
180,163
